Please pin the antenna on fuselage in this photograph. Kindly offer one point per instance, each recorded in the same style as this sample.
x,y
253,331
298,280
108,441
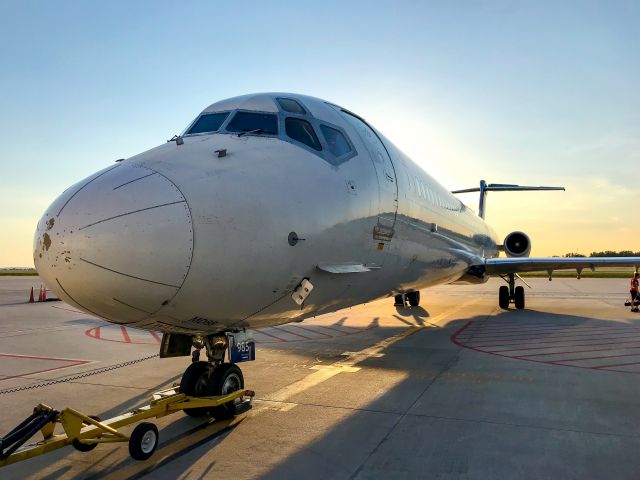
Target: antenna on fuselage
x,y
498,187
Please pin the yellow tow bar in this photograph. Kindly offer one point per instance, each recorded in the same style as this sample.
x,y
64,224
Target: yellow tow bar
x,y
85,432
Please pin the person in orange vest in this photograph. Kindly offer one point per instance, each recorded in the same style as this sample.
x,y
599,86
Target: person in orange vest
x,y
633,290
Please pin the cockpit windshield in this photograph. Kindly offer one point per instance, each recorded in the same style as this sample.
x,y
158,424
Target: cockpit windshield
x,y
255,123
207,123
290,121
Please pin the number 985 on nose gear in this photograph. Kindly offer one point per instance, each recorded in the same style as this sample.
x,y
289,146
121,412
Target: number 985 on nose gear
x,y
242,347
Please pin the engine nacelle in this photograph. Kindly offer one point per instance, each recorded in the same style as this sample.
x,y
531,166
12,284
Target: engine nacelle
x,y
517,244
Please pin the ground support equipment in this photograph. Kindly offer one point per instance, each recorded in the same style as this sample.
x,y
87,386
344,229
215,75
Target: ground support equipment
x,y
84,432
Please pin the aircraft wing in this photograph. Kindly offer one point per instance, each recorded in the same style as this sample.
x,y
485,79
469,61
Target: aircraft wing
x,y
503,266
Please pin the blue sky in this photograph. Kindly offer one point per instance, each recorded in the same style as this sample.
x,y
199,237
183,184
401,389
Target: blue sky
x,y
529,92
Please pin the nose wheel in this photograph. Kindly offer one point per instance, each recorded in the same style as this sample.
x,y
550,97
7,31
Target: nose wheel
x,y
212,378
204,379
511,293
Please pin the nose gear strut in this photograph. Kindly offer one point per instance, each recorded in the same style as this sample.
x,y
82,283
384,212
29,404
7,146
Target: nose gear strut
x,y
215,347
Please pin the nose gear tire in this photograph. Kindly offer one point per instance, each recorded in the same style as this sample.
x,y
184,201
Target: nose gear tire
x,y
202,379
195,382
227,378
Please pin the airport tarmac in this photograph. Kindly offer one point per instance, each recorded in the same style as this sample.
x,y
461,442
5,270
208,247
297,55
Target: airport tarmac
x,y
453,389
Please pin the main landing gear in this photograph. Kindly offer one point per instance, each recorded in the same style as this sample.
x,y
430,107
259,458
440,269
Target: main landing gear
x,y
213,377
413,298
509,294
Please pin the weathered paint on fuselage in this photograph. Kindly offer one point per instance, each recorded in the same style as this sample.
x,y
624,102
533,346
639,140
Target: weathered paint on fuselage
x,y
179,239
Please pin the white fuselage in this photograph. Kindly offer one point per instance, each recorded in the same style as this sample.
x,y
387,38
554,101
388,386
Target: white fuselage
x,y
183,239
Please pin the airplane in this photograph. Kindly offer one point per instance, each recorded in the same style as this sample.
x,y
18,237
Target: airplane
x,y
269,208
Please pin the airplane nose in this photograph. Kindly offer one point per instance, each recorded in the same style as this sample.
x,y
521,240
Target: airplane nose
x,y
118,244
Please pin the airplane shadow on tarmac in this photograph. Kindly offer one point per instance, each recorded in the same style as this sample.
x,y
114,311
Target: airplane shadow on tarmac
x,y
418,314
89,321
448,411
461,413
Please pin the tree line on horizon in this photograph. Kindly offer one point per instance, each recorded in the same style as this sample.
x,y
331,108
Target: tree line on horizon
x,y
606,253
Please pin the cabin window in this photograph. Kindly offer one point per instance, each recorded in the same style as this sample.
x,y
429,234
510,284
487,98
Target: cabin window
x,y
254,123
336,141
291,106
208,122
301,131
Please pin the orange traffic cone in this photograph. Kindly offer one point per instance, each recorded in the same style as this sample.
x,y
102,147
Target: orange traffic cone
x,y
31,300
40,295
44,294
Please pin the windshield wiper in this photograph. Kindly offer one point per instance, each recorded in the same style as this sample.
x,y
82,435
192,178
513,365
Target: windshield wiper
x,y
257,130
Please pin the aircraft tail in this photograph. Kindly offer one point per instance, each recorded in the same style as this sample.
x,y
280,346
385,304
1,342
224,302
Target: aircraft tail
x,y
498,187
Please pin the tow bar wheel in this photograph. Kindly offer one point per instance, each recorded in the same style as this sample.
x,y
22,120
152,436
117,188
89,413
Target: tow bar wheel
x,y
143,441
85,447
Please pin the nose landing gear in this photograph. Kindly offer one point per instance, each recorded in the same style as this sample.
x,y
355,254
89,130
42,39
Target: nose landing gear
x,y
213,377
509,294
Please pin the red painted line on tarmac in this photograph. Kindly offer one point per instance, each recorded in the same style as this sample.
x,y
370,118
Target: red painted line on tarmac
x,y
306,328
557,330
547,341
614,370
310,330
564,330
454,339
565,346
292,333
575,351
519,327
270,335
132,343
72,363
357,329
24,375
34,357
96,333
514,327
580,359
336,329
552,339
156,336
567,336
125,334
616,365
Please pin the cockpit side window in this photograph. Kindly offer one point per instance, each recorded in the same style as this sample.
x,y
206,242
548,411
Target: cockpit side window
x,y
208,123
302,131
336,141
290,105
255,123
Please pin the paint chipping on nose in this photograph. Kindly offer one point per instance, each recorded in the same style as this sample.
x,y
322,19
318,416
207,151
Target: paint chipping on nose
x,y
46,242
100,260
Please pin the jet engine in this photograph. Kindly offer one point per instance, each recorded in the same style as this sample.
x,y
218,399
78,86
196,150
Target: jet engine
x,y
517,244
